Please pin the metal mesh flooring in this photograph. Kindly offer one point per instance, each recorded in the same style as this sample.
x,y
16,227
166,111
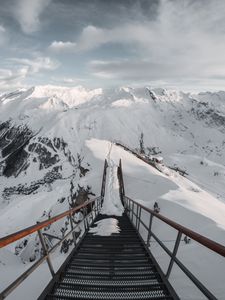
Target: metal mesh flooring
x,y
110,267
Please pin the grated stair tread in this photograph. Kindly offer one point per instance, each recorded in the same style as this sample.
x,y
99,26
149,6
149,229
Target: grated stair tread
x,y
112,267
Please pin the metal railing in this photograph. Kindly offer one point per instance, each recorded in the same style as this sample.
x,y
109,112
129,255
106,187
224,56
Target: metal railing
x,y
89,209
135,211
104,179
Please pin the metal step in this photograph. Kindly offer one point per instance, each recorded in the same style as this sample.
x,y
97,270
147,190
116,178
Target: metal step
x,y
108,264
111,246
109,288
130,268
119,241
85,250
107,258
112,267
111,255
116,273
110,276
153,293
107,283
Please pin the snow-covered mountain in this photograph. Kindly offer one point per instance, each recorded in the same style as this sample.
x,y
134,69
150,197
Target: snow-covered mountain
x,y
54,140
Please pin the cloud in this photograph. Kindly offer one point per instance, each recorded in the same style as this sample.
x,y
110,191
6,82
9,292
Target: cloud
x,y
3,35
59,46
2,29
12,79
20,69
185,29
137,69
70,80
38,64
186,40
90,38
27,13
130,40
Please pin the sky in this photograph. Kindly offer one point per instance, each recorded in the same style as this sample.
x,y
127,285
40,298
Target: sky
x,y
105,43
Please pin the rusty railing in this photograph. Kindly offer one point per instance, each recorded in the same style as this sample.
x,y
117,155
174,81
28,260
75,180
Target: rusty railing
x,y
89,209
135,210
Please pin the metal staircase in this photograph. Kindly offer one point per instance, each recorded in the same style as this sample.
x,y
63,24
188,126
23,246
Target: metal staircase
x,y
111,267
118,266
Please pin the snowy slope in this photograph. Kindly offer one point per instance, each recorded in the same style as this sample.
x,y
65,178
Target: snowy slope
x,y
54,140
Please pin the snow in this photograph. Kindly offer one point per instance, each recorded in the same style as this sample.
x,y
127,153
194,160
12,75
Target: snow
x,y
70,96
89,120
105,227
182,201
122,103
112,204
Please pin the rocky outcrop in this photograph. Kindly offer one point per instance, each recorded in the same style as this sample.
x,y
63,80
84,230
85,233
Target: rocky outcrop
x,y
208,113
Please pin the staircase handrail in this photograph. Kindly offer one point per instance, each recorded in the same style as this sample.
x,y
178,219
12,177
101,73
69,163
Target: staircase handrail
x,y
134,210
210,244
13,237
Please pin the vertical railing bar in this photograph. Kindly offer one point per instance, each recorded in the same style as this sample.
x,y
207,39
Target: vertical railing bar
x,y
129,207
45,250
92,217
85,221
176,246
139,218
72,227
149,230
104,180
97,205
132,211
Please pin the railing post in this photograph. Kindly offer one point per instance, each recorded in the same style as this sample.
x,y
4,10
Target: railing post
x,y
121,182
139,219
95,208
99,204
179,235
132,211
86,218
85,224
149,230
137,216
128,207
71,225
45,250
104,180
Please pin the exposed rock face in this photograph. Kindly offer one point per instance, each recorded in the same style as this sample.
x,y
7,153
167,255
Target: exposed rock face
x,y
25,152
212,117
13,141
25,189
20,148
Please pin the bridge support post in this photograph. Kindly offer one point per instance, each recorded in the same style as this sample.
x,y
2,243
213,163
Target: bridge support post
x,y
45,250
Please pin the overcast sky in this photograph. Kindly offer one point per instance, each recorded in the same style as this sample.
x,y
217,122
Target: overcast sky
x,y
102,43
